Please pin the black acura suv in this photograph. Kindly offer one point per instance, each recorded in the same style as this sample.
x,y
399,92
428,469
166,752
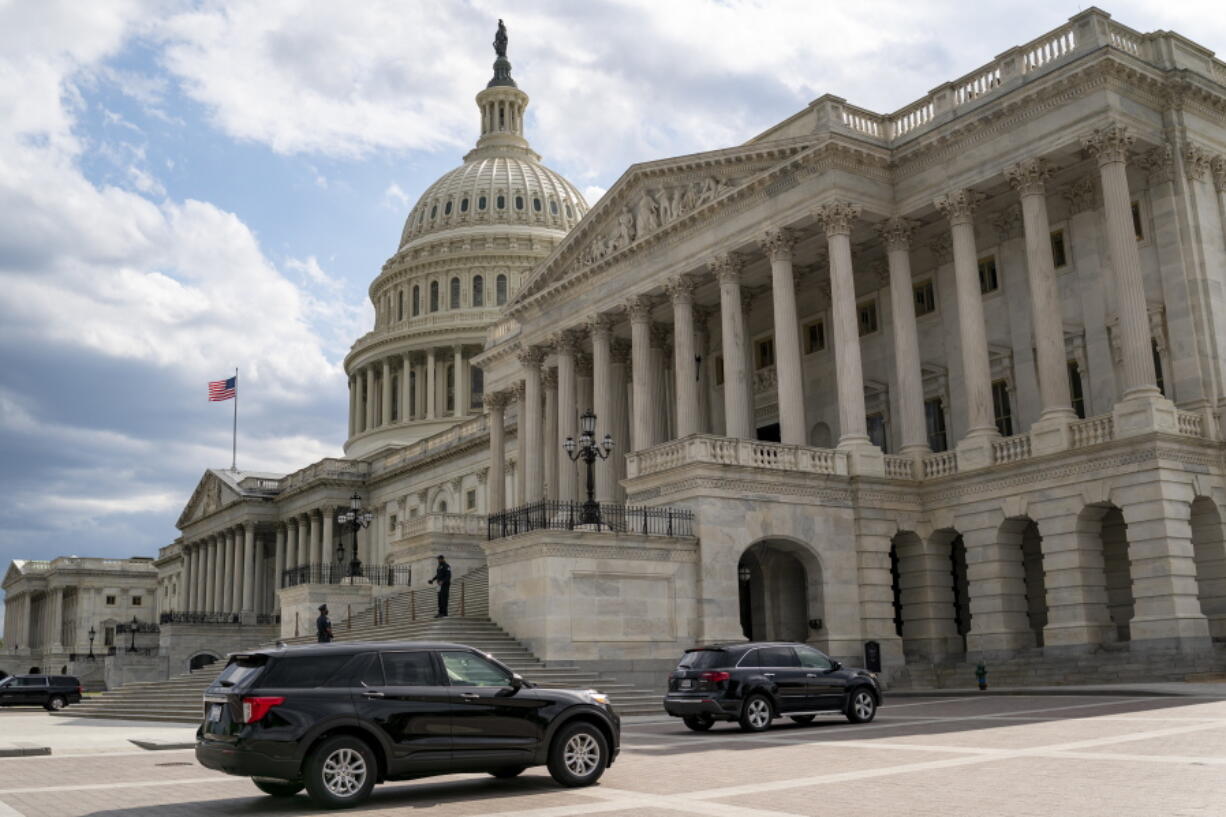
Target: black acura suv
x,y
337,718
757,682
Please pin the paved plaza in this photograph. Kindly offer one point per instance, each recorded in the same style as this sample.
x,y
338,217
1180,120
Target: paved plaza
x,y
1007,756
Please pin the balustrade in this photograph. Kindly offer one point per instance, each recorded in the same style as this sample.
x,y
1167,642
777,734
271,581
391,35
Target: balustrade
x,y
940,465
1189,423
1092,431
899,467
704,448
1011,449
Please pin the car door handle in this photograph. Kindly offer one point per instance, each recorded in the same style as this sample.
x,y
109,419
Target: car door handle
x,y
374,693
810,674
469,696
769,674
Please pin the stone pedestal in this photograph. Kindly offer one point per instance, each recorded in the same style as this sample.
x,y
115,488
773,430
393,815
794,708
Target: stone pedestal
x,y
1050,435
300,605
974,452
1144,414
864,460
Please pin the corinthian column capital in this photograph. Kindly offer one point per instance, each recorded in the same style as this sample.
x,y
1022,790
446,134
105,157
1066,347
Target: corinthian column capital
x,y
600,324
778,244
1218,167
567,341
727,268
681,289
639,307
837,217
959,206
1109,144
532,357
896,233
496,400
1029,177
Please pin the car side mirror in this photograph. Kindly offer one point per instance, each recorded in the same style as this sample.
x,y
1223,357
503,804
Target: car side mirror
x,y
517,681
835,665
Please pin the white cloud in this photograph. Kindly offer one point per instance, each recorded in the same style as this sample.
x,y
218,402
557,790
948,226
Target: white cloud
x,y
395,198
593,194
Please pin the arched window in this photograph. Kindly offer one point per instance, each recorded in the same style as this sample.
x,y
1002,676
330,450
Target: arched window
x,y
481,203
500,290
464,205
478,291
434,296
501,202
400,304
447,209
416,300
451,387
454,300
553,207
476,387
536,204
569,212
519,202
433,212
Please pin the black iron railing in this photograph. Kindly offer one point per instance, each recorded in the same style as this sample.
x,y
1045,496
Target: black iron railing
x,y
140,627
335,573
551,515
197,617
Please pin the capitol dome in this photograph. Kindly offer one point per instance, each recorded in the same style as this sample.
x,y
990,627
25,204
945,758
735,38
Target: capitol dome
x,y
467,245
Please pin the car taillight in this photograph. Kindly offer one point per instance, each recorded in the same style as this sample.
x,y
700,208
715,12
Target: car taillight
x,y
80,690
715,677
254,709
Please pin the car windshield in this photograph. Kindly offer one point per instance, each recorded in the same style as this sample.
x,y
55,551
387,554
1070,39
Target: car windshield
x,y
5,682
703,659
240,668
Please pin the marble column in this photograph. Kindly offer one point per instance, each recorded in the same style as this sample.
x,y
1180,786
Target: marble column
x,y
431,385
458,381
896,235
702,325
317,532
1110,146
639,310
206,595
566,346
327,523
279,565
353,405
738,387
385,392
291,544
1029,179
227,572
55,619
619,426
406,391
533,474
549,383
837,220
305,542
661,383
789,376
369,413
249,569
517,467
237,579
219,572
496,403
685,368
974,450
183,601
600,329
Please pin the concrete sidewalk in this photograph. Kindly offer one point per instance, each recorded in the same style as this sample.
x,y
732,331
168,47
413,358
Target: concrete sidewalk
x,y
64,735
1205,689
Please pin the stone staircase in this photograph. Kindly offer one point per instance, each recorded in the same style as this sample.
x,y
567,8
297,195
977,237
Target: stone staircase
x,y
1110,664
406,616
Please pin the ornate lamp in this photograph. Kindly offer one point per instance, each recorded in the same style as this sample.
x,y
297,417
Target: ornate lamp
x,y
356,517
92,635
587,450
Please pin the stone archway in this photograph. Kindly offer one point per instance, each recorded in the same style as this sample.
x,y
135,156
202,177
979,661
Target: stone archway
x,y
1209,554
820,436
202,659
1022,533
931,600
780,585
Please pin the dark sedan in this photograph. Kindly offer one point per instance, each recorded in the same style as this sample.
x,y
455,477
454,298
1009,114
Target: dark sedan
x,y
757,682
52,692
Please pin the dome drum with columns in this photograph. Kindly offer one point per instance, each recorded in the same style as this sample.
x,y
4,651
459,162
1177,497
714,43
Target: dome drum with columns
x,y
466,246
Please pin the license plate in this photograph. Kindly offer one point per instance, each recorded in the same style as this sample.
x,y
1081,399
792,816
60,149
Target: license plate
x,y
686,683
214,713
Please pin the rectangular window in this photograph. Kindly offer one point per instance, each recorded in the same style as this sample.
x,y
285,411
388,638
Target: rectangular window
x,y
392,520
925,298
1002,409
1058,256
136,601
1158,368
409,669
1074,387
867,316
765,353
934,417
987,274
470,500
876,430
1136,221
815,337
110,601
719,370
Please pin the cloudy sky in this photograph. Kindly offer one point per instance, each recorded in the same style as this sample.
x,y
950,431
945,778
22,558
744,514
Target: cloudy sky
x,y
190,187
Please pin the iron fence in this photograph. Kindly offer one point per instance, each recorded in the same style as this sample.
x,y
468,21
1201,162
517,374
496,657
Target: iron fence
x,y
553,515
200,617
387,575
140,627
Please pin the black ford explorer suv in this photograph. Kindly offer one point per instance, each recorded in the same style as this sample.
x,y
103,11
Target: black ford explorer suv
x,y
52,692
338,718
757,682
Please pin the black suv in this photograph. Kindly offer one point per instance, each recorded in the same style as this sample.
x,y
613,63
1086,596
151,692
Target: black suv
x,y
52,692
338,718
757,682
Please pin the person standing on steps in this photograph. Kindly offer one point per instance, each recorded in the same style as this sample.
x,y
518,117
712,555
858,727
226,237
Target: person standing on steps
x,y
323,625
442,577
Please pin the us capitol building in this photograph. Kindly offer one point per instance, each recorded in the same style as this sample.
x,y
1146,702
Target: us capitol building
x,y
934,386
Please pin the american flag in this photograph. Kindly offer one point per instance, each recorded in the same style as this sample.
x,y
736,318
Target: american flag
x,y
223,389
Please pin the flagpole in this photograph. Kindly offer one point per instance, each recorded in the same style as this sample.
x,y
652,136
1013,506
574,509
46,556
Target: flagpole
x,y
234,436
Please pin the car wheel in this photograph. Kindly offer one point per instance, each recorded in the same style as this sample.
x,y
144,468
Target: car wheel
x,y
578,755
861,707
699,723
508,772
340,772
803,718
756,714
56,703
277,788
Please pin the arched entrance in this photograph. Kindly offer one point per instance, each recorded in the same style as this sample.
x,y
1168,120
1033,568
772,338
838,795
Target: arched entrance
x,y
200,660
931,602
1209,553
1023,534
780,591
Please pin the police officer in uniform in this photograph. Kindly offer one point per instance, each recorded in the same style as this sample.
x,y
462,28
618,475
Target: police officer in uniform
x,y
323,625
442,577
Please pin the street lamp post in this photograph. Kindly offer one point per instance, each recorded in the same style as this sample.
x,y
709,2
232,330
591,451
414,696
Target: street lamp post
x,y
132,646
588,451
92,635
356,518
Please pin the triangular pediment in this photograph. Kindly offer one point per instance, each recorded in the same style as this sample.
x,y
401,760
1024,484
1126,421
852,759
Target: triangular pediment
x,y
652,199
211,494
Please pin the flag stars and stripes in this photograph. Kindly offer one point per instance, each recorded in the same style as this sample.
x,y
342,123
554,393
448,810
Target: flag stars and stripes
x,y
223,389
